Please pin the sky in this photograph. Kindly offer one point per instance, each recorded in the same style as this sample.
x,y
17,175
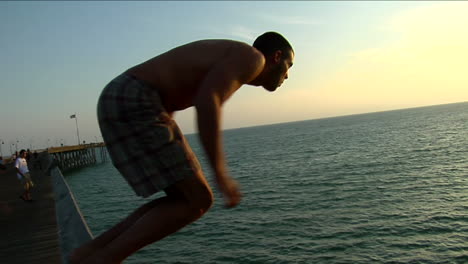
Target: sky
x,y
350,58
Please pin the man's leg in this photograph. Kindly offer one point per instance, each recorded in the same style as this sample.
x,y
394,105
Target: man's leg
x,y
187,200
88,248
26,194
29,184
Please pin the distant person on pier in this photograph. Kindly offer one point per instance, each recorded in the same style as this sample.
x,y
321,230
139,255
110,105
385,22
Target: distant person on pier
x,y
14,157
2,165
36,162
135,114
28,155
22,172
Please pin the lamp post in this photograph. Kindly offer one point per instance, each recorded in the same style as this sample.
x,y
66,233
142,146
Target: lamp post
x,y
77,131
1,153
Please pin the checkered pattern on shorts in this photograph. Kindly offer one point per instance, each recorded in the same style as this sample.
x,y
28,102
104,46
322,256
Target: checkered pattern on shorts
x,y
144,142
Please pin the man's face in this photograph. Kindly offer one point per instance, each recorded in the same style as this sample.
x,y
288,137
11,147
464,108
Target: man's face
x,y
281,63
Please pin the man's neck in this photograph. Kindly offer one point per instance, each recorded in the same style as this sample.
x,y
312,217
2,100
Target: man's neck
x,y
258,81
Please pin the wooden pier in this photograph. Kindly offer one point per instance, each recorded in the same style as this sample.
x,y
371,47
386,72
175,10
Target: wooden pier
x,y
31,232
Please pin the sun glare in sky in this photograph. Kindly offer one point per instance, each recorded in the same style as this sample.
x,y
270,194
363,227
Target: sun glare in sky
x,y
351,57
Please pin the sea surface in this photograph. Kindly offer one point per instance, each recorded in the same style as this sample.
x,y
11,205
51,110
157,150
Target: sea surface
x,y
388,187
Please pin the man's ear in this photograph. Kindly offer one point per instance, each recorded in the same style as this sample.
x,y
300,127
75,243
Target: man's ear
x,y
277,56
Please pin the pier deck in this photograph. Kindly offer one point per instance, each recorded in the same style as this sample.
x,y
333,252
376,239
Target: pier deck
x,y
29,232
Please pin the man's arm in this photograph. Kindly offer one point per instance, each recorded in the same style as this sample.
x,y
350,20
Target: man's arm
x,y
220,83
209,123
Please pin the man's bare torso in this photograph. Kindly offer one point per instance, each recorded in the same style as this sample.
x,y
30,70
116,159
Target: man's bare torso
x,y
179,73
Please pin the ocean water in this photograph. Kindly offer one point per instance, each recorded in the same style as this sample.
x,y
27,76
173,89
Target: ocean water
x,y
389,187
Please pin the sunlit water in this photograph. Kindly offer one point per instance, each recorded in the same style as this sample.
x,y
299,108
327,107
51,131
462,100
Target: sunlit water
x,y
388,187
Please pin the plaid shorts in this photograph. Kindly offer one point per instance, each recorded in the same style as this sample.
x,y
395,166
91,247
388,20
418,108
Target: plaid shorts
x,y
144,142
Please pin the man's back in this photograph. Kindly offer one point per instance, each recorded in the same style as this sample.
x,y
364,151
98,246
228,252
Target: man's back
x,y
179,73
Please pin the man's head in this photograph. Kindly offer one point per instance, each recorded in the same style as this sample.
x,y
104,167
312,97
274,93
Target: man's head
x,y
279,56
22,153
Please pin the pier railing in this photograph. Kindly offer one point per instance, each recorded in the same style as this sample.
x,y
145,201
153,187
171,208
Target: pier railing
x,y
78,156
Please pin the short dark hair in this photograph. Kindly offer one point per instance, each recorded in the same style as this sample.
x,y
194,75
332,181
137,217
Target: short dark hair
x,y
270,42
22,151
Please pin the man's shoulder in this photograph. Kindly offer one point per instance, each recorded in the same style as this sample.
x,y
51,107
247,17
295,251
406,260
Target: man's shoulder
x,y
216,42
248,56
210,53
221,44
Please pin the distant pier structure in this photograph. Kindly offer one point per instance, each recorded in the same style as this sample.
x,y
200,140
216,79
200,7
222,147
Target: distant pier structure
x,y
78,156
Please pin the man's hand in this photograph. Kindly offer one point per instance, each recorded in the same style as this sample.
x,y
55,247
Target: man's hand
x,y
230,190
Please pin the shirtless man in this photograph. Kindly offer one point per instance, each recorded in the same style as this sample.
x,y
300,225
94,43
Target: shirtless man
x,y
135,116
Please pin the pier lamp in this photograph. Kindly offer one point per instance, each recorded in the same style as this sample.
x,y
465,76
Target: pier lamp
x,y
77,131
